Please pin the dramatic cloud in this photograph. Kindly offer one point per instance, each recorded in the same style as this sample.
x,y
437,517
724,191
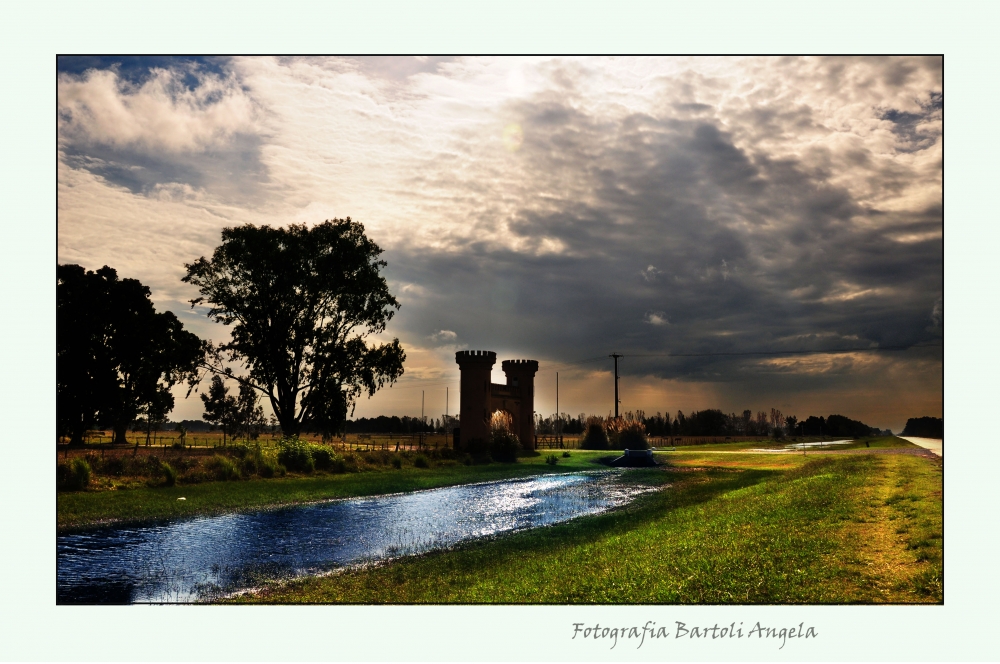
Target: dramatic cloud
x,y
160,114
559,209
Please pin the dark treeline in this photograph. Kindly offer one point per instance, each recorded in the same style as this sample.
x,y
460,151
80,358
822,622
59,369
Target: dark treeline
x,y
116,356
835,425
924,427
191,426
714,422
404,424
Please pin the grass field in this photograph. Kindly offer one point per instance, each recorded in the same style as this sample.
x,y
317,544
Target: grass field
x,y
725,529
728,526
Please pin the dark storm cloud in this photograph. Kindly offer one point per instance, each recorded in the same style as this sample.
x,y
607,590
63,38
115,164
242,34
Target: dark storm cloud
x,y
233,171
912,129
684,243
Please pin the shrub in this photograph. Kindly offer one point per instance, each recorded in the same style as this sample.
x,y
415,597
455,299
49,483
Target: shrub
x,y
478,449
248,466
420,461
565,455
242,450
632,439
504,447
552,459
178,446
222,468
169,474
270,468
627,432
397,461
323,457
73,476
595,436
503,444
295,455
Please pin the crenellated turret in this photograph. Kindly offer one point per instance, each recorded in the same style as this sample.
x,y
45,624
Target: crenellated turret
x,y
474,390
521,374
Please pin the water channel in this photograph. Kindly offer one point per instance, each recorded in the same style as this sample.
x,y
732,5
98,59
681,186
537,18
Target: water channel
x,y
208,557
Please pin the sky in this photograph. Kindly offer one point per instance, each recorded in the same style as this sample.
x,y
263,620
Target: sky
x,y
679,211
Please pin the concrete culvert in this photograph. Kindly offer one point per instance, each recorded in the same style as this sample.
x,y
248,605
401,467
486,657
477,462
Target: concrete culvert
x,y
635,459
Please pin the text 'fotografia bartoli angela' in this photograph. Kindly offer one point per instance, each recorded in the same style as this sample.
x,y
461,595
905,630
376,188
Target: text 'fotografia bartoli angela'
x,y
681,630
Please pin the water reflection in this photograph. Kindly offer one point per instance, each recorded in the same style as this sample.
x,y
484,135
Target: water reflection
x,y
206,557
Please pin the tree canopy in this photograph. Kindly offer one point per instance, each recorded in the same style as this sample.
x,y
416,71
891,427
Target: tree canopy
x,y
924,427
116,357
300,302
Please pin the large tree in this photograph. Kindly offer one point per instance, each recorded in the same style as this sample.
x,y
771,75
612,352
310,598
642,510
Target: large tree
x,y
116,357
300,301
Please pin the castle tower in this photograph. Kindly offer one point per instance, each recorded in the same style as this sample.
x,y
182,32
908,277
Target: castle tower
x,y
474,401
521,374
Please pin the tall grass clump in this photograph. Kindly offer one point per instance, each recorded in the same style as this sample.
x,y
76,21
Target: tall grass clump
x,y
326,459
300,456
504,444
73,476
595,435
627,432
169,474
222,468
295,454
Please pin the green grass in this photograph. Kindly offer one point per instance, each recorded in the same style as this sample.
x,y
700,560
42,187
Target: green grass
x,y
89,508
726,529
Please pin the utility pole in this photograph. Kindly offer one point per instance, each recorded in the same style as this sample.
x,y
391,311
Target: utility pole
x,y
617,401
558,416
422,420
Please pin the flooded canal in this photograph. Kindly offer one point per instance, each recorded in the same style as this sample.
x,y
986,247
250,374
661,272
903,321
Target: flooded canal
x,y
207,557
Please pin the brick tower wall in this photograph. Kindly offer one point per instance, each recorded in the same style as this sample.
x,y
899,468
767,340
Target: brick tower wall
x,y
474,390
522,373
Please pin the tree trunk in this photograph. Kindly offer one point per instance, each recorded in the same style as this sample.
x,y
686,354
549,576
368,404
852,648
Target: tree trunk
x,y
119,437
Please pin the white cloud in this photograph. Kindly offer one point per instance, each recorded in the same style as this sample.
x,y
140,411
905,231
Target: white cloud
x,y
444,336
650,273
937,312
656,318
160,114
